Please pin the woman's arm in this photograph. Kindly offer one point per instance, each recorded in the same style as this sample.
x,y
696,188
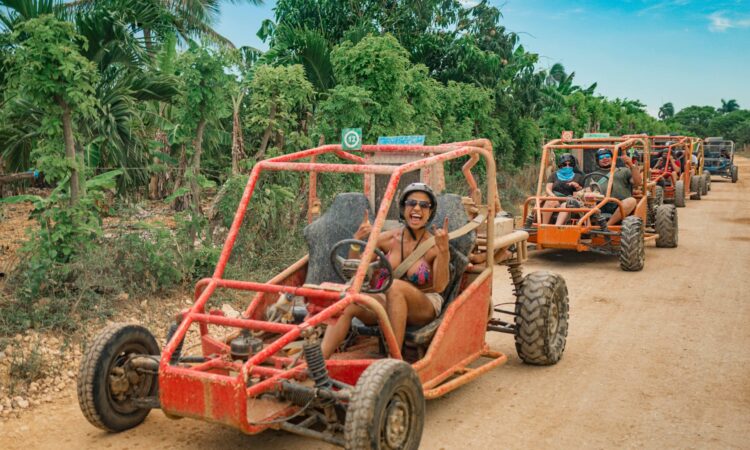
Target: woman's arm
x,y
441,264
548,188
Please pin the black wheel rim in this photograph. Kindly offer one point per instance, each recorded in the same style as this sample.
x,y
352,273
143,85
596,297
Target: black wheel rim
x,y
139,389
397,419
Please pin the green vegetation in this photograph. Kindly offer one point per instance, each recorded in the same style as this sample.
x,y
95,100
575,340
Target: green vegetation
x,y
144,99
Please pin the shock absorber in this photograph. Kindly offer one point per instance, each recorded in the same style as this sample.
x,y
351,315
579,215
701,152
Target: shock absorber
x,y
516,274
316,363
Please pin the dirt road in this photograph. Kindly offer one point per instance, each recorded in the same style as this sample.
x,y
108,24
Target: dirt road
x,y
658,358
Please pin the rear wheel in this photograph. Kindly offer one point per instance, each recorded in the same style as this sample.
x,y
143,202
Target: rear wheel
x,y
541,318
679,194
386,409
666,226
632,246
107,386
735,174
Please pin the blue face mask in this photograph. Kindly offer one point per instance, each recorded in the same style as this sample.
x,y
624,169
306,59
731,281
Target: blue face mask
x,y
565,173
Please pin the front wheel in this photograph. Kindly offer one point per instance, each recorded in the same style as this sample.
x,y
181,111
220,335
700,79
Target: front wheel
x,y
696,186
707,174
632,245
706,182
541,318
107,385
666,226
386,409
735,174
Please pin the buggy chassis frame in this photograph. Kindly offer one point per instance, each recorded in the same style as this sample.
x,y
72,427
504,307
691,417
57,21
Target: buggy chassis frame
x,y
244,395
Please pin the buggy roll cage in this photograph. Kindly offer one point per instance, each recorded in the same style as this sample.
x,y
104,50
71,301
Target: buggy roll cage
x,y
264,370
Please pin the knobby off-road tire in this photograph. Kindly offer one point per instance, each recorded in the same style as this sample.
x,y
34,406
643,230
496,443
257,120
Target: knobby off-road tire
x,y
656,202
541,318
632,245
386,409
706,183
707,174
679,194
108,351
696,185
666,226
735,171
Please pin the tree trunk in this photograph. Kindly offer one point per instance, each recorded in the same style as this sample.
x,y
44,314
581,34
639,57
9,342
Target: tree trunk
x,y
266,134
180,202
238,144
70,150
157,183
195,168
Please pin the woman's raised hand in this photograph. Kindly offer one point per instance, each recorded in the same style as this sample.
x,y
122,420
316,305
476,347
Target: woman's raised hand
x,y
441,236
364,228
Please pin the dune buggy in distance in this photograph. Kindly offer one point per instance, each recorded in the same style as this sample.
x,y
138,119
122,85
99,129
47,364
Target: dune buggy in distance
x,y
265,369
587,229
679,149
720,158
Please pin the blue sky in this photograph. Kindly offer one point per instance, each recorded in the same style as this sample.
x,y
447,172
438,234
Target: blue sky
x,y
684,51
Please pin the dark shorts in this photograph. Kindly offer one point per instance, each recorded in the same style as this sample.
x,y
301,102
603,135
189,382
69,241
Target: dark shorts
x,y
609,208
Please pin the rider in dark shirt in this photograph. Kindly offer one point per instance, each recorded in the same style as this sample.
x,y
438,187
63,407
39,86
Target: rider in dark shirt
x,y
562,183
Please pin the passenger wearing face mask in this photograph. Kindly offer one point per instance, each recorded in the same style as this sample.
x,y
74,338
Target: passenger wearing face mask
x,y
562,183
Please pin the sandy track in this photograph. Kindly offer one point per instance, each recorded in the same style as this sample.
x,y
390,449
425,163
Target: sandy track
x,y
658,358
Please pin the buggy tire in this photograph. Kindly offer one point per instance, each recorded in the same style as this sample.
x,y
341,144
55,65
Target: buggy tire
x,y
108,351
706,182
696,186
656,202
707,174
679,194
735,173
541,318
666,226
386,408
632,245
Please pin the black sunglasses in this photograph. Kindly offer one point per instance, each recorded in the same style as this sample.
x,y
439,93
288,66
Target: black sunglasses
x,y
422,204
565,164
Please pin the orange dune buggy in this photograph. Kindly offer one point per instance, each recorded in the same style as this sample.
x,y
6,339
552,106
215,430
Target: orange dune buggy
x,y
678,149
587,229
265,369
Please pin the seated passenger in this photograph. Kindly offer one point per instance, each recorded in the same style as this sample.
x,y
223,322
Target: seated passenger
x,y
415,299
562,183
670,165
622,184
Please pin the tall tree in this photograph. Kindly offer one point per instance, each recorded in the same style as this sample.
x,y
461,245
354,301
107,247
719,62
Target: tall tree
x,y
47,68
728,106
666,111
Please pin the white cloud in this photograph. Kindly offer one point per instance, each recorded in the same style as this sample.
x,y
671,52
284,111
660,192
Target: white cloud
x,y
719,22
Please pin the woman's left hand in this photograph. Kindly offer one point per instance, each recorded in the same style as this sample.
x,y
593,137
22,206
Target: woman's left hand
x,y
441,236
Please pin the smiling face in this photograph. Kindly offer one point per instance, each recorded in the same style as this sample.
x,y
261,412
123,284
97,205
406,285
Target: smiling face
x,y
605,160
416,215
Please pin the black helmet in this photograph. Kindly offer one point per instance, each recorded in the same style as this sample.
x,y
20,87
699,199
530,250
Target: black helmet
x,y
417,187
567,157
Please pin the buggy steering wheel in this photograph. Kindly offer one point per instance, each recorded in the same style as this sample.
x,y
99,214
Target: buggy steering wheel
x,y
346,268
592,179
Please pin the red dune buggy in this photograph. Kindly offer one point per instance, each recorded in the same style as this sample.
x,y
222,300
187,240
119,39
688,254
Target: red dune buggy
x,y
265,369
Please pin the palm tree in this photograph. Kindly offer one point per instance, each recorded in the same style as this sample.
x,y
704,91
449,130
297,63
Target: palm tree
x,y
156,19
666,111
728,106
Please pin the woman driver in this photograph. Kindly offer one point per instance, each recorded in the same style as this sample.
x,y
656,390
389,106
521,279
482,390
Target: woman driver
x,y
415,299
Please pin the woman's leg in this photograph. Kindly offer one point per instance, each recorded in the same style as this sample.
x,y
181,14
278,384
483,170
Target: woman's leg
x,y
405,304
336,333
547,215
